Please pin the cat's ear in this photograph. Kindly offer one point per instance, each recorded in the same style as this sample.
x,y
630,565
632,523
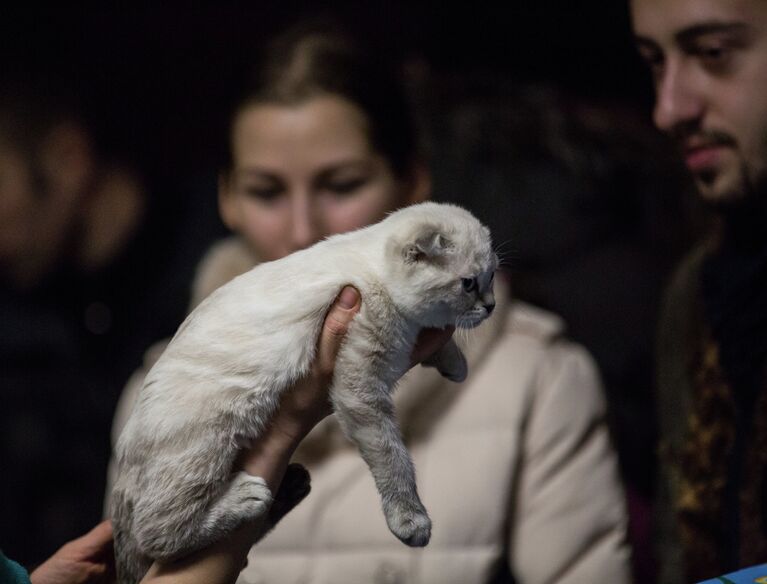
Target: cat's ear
x,y
426,247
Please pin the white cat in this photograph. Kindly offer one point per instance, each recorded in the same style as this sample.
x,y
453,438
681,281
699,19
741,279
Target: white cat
x,y
221,378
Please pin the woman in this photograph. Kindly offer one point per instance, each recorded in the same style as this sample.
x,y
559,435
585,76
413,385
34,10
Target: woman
x,y
514,465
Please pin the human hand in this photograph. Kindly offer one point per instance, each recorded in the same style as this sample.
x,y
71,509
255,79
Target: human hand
x,y
87,559
300,410
307,403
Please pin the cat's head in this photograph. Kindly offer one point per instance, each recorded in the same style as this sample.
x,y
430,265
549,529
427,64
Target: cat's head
x,y
441,265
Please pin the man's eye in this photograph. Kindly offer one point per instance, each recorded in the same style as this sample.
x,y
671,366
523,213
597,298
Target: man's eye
x,y
715,56
469,284
652,58
655,67
713,53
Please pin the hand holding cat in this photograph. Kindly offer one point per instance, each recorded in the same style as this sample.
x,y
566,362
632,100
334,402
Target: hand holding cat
x,y
301,409
230,396
307,403
87,559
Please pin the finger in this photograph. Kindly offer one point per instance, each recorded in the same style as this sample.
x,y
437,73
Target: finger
x,y
429,341
93,543
335,328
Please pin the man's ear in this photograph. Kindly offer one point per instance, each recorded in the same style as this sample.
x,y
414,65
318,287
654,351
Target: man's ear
x,y
429,246
227,204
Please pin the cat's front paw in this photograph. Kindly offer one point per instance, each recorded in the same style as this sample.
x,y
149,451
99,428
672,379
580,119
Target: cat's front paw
x,y
409,523
450,362
247,499
455,371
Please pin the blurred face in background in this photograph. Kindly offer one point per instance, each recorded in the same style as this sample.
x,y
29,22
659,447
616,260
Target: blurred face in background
x,y
303,172
40,199
17,202
709,63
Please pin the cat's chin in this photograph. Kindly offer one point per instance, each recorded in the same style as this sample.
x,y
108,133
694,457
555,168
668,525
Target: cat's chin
x,y
469,322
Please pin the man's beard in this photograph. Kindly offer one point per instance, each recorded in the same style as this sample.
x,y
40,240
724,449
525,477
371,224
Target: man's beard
x,y
747,186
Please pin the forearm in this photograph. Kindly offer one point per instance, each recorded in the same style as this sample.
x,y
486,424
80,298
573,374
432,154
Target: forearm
x,y
270,455
220,563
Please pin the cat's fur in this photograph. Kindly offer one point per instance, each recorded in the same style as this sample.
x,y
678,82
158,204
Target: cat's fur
x,y
221,378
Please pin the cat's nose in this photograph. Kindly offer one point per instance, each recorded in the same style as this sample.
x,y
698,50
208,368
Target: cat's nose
x,y
489,308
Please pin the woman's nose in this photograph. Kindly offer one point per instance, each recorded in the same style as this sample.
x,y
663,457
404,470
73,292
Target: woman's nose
x,y
304,230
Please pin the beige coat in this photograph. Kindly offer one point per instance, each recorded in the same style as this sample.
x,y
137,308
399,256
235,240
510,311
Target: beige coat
x,y
514,465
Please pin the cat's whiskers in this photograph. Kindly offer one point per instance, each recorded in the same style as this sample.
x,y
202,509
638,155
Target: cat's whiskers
x,y
504,255
463,331
464,335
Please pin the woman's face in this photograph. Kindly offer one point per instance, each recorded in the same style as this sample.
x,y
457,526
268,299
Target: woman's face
x,y
304,172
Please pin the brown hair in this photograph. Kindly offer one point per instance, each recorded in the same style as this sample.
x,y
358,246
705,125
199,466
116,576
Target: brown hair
x,y
315,59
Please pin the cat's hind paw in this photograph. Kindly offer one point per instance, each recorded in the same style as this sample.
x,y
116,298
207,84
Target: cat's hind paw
x,y
246,499
410,524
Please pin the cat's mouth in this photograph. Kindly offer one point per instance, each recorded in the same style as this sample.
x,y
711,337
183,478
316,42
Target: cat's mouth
x,y
471,318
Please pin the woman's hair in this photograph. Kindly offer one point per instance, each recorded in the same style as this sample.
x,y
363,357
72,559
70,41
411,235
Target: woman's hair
x,y
319,59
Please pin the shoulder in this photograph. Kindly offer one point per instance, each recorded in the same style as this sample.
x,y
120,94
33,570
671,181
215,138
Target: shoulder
x,y
530,331
225,260
683,284
533,323
680,319
534,355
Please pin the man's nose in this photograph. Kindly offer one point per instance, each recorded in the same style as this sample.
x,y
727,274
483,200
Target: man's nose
x,y
678,99
490,307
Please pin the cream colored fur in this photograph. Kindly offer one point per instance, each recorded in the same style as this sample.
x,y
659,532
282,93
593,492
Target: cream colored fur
x,y
222,376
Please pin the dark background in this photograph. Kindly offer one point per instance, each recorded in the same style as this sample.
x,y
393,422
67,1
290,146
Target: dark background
x,y
157,83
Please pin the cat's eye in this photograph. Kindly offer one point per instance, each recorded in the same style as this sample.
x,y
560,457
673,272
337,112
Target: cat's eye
x,y
469,284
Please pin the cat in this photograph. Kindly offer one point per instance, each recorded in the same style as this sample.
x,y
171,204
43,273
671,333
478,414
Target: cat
x,y
220,379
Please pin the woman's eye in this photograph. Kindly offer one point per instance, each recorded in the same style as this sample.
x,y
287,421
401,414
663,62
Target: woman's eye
x,y
263,193
469,284
345,187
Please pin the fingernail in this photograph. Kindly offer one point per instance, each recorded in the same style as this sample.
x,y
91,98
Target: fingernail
x,y
348,298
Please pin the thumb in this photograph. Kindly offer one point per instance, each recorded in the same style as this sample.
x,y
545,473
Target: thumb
x,y
92,544
336,326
